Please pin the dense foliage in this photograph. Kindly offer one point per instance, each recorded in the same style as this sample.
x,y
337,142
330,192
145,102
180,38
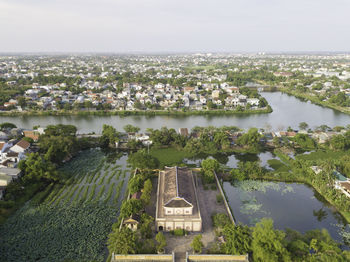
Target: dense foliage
x,y
265,243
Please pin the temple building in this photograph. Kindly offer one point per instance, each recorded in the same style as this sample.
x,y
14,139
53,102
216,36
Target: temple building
x,y
177,202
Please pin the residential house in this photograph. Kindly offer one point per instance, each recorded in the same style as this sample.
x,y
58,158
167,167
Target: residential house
x,y
21,147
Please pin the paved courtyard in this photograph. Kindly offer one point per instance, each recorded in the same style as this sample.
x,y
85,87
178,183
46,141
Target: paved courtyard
x,y
208,206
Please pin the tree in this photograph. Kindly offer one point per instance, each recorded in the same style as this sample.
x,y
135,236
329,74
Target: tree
x,y
304,141
146,225
160,238
147,190
251,138
237,175
142,160
130,207
209,166
7,125
131,129
122,242
220,220
21,101
338,142
238,239
163,137
60,130
109,135
135,184
303,126
197,244
267,243
35,167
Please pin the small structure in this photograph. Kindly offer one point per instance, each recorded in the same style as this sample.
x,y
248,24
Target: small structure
x,y
132,222
177,202
183,132
31,134
136,195
20,147
342,183
14,173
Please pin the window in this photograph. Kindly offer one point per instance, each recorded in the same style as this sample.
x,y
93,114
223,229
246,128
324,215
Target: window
x,y
187,211
168,212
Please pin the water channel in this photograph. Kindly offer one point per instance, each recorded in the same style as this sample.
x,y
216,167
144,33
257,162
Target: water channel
x,y
287,111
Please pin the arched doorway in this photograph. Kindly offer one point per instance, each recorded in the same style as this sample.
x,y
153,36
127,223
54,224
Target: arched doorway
x,y
160,228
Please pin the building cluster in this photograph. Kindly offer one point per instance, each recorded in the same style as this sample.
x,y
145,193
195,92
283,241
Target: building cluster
x,y
13,148
135,96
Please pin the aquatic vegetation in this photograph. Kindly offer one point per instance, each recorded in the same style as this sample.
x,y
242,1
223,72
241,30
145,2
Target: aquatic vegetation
x,y
255,185
73,222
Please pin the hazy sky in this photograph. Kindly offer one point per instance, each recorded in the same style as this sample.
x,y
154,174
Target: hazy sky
x,y
174,25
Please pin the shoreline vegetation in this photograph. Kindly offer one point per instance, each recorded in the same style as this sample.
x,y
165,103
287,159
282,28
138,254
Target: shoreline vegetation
x,y
315,100
266,110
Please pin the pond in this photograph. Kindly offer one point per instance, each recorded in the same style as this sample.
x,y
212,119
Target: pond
x,y
287,111
232,161
290,205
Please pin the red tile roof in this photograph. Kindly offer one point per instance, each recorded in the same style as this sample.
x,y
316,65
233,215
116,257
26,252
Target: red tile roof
x,y
24,144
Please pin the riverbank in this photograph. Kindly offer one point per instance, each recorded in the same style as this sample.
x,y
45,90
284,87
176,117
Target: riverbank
x,y
315,100
266,110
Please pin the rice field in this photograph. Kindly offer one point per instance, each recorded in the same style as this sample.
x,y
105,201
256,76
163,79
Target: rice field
x,y
70,220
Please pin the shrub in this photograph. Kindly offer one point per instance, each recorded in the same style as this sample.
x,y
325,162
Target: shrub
x,y
220,220
219,198
179,232
197,244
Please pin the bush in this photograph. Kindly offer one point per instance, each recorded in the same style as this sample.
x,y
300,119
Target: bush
x,y
219,198
197,244
220,220
178,232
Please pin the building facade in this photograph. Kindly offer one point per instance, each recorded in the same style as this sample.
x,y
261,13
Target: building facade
x,y
177,202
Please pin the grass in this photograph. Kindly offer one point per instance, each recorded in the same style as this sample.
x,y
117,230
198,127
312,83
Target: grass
x,y
169,156
92,193
278,165
323,155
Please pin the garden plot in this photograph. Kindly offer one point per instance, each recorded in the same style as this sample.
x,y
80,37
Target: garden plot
x,y
72,221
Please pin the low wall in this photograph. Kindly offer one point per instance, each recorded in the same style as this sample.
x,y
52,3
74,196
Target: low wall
x,y
208,258
143,257
224,198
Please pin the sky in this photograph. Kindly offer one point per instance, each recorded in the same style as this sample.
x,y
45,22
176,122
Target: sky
x,y
161,26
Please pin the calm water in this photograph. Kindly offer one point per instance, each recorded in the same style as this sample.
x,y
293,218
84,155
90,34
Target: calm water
x,y
293,205
231,161
287,111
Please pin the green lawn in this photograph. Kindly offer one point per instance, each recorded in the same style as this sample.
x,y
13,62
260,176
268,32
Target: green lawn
x,y
169,156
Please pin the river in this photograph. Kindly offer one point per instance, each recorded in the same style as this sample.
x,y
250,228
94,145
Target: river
x,y
287,111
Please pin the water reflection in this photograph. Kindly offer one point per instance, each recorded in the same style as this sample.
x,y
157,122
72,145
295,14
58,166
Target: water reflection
x,y
293,205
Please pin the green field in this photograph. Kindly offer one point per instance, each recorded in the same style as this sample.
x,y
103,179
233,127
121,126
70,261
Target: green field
x,y
169,156
68,221
322,155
